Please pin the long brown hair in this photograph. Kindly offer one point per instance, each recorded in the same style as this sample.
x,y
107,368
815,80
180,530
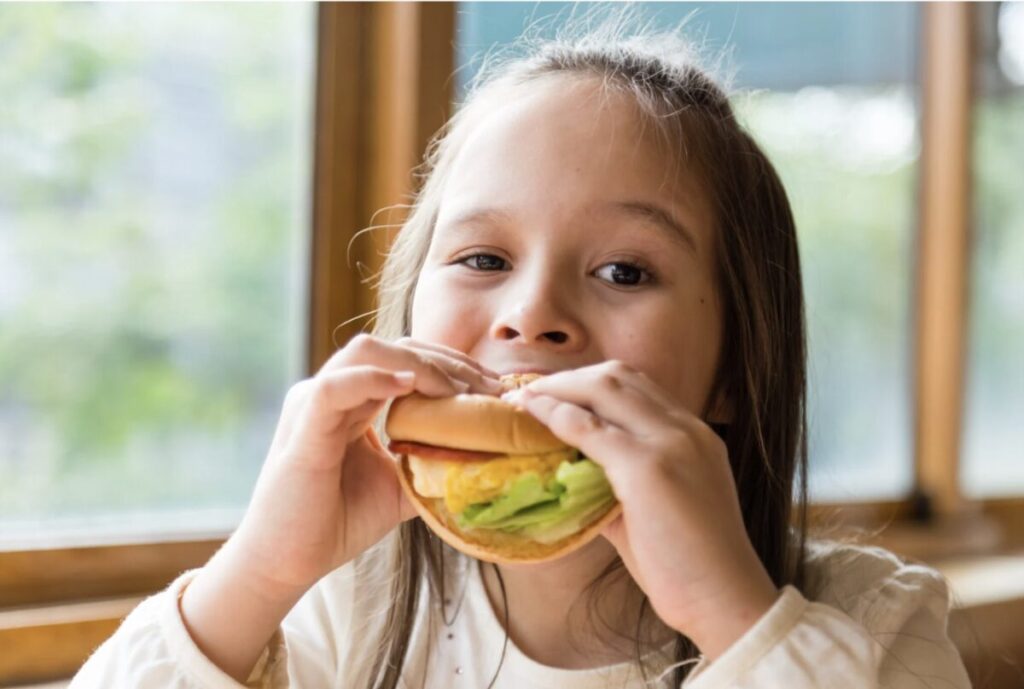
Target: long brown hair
x,y
763,360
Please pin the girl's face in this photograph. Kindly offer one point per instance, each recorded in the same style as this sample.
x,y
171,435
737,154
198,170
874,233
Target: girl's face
x,y
565,238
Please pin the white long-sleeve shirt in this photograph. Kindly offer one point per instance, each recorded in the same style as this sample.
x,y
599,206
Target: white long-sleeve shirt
x,y
872,621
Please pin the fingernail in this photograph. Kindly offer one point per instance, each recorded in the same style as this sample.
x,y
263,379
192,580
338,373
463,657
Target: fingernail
x,y
490,372
460,385
493,384
404,377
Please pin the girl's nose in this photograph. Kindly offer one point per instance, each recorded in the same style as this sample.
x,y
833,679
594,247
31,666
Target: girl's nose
x,y
541,322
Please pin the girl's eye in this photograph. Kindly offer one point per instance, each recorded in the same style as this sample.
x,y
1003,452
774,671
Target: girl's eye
x,y
625,273
485,262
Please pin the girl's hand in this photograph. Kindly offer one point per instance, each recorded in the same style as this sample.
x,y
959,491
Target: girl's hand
x,y
681,533
328,489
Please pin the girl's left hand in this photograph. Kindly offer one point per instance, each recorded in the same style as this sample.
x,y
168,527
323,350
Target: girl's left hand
x,y
681,533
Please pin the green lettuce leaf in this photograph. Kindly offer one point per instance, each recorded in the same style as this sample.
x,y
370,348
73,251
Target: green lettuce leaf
x,y
577,491
525,491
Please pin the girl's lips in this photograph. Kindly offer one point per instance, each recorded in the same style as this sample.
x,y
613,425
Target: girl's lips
x,y
542,371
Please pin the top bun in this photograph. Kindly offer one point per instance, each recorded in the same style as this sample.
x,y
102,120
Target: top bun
x,y
472,422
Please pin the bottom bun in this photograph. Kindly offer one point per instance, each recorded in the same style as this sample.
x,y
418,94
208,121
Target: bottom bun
x,y
496,546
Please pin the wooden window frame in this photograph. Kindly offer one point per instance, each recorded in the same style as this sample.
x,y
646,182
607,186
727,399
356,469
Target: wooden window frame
x,y
383,88
938,521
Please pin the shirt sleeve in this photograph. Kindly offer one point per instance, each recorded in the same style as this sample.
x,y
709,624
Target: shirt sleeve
x,y
152,648
882,623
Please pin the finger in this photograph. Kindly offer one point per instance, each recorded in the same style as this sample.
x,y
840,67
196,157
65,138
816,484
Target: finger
x,y
431,378
452,352
323,425
606,443
616,534
459,369
360,418
477,381
294,402
605,394
405,509
630,377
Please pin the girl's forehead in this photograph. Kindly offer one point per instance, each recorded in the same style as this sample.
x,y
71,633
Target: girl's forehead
x,y
565,145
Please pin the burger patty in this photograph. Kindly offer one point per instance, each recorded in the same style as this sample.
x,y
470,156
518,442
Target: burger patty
x,y
447,454
465,483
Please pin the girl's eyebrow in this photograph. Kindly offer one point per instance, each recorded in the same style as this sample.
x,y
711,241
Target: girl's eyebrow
x,y
658,217
494,216
643,210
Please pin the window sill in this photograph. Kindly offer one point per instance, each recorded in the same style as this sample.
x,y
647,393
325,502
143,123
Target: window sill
x,y
44,643
979,581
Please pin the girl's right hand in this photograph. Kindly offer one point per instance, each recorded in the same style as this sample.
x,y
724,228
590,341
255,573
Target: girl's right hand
x,y
328,490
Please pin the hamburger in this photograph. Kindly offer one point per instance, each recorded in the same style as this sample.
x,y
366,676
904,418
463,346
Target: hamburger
x,y
494,482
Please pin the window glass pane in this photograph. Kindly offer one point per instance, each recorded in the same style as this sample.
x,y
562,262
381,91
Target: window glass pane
x,y
830,92
994,437
847,156
153,230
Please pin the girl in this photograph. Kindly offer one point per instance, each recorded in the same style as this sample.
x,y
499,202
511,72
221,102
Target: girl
x,y
594,212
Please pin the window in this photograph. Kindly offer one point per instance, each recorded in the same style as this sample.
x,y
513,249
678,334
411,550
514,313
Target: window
x,y
994,440
136,262
153,209
830,92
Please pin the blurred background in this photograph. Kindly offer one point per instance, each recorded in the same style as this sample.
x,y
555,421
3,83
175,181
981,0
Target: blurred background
x,y
170,183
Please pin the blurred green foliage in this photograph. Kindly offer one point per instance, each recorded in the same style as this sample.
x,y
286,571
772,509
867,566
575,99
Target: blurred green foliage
x,y
848,159
152,208
993,453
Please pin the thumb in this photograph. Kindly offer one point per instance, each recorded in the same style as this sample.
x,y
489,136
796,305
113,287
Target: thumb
x,y
361,419
615,533
405,509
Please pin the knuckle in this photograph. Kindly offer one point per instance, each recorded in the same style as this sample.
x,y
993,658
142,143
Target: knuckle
x,y
610,381
697,436
666,449
297,391
663,469
435,369
682,442
429,363
467,370
321,389
577,420
561,416
363,342
662,464
613,373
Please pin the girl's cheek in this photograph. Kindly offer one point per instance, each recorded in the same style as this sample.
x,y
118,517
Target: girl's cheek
x,y
424,306
677,346
443,312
